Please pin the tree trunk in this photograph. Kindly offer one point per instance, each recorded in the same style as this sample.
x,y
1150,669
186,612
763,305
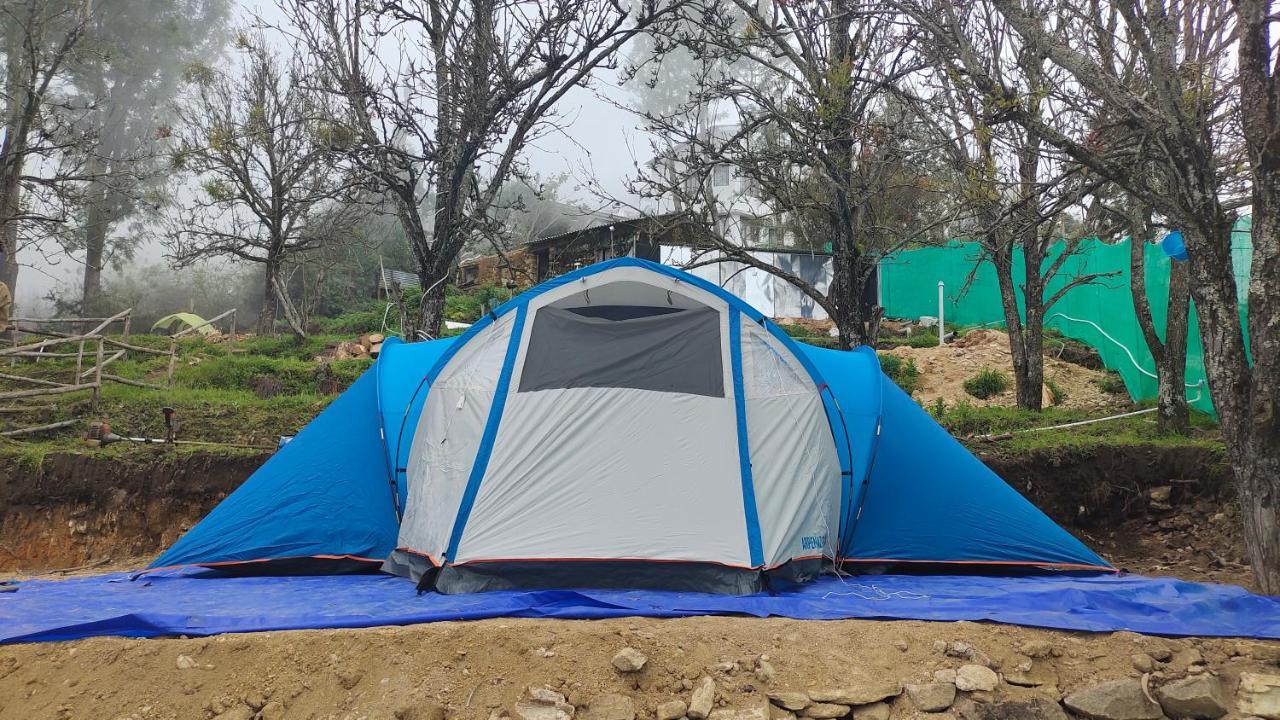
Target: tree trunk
x,y
1028,374
431,320
1243,399
845,296
1252,427
1172,415
95,243
9,242
1170,354
267,316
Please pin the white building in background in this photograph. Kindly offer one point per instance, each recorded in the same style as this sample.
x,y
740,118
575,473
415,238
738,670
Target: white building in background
x,y
747,221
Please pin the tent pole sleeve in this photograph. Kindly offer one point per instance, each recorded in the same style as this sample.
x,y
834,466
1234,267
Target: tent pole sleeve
x,y
485,450
744,448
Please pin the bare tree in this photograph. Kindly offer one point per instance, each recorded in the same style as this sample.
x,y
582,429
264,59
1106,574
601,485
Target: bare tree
x,y
441,98
40,39
1170,142
1019,195
800,103
258,144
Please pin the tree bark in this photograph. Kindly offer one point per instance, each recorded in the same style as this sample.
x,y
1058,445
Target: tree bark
x,y
1243,399
1173,415
1169,354
267,316
95,244
1028,375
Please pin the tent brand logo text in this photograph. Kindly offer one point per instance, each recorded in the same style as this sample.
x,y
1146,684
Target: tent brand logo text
x,y
812,542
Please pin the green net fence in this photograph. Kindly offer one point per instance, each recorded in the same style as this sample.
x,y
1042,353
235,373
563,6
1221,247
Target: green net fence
x,y
1100,314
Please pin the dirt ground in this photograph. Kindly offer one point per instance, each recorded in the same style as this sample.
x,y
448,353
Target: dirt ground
x,y
944,369
482,669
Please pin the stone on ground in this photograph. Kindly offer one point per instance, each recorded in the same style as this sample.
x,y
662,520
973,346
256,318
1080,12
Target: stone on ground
x,y
1115,700
1198,697
1143,662
629,660
1259,695
791,700
873,711
825,711
976,677
704,694
932,697
860,693
1035,648
1040,673
672,710
753,713
545,695
1034,709
533,710
611,706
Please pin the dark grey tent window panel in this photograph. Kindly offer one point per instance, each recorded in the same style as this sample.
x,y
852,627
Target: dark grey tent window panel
x,y
670,350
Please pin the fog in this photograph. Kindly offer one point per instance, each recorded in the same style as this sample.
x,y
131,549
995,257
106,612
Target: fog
x,y
596,146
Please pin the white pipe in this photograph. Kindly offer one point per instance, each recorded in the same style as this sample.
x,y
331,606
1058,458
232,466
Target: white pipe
x,y
942,324
1122,346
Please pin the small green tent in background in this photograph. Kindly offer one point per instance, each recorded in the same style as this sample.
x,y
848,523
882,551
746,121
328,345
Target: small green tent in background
x,y
177,322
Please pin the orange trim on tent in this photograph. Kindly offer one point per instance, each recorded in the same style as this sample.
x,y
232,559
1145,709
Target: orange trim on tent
x,y
225,563
419,553
1020,563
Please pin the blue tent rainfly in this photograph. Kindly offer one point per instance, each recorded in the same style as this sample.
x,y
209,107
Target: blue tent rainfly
x,y
625,425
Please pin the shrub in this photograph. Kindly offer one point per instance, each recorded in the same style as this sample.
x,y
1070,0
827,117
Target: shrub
x,y
903,372
1112,383
918,339
357,322
986,383
466,306
797,330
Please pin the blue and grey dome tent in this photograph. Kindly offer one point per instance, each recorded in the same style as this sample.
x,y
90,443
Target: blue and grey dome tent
x,y
627,424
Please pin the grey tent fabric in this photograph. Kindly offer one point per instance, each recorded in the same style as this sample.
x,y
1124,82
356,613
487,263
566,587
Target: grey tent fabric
x,y
675,352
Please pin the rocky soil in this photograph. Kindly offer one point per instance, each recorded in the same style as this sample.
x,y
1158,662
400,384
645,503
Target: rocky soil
x,y
695,668
943,371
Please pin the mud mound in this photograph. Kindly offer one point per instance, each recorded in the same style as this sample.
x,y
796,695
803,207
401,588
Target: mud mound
x,y
944,369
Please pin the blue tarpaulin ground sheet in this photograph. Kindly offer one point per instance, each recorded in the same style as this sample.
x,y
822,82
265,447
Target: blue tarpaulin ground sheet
x,y
198,603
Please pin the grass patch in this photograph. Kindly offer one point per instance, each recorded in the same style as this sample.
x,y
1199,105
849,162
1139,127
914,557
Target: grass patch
x,y
966,420
1112,384
903,372
986,383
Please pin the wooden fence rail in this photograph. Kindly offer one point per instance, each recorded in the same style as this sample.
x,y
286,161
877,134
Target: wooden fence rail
x,y
91,345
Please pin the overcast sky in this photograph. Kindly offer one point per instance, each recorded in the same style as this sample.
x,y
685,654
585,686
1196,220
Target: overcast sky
x,y
599,142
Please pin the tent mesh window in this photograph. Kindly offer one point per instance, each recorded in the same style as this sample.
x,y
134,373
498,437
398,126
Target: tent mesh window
x,y
665,349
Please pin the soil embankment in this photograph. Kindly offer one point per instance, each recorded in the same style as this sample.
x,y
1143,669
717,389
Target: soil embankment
x,y
118,509
108,509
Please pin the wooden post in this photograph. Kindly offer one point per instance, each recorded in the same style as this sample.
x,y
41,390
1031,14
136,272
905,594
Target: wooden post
x,y
80,361
231,341
173,360
97,378
128,320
